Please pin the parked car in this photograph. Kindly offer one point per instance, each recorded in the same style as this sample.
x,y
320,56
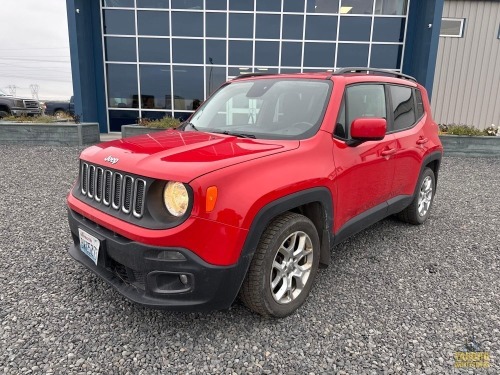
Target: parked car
x,y
60,109
250,195
12,105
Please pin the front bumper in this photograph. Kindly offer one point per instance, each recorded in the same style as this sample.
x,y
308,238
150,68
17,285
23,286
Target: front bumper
x,y
145,275
25,112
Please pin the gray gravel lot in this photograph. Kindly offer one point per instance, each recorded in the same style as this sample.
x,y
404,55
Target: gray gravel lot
x,y
397,299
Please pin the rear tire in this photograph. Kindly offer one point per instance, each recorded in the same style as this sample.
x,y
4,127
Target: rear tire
x,y
419,209
3,114
283,268
60,114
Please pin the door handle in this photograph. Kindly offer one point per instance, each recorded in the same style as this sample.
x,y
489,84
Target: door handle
x,y
388,152
421,141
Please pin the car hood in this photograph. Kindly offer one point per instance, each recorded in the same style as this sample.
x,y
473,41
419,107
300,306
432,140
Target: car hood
x,y
181,156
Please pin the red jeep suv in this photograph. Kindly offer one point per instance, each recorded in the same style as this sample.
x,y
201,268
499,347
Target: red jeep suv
x,y
249,196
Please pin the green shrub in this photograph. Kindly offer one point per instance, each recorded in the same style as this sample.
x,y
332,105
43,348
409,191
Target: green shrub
x,y
460,130
164,123
32,119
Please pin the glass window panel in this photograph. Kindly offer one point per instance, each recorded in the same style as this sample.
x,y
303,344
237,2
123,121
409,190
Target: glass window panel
x,y
118,21
240,52
420,103
355,28
152,23
216,52
267,26
269,5
323,6
319,54
188,51
295,6
240,25
162,4
154,50
187,24
340,126
291,54
119,118
267,53
388,29
293,27
234,72
290,70
215,78
352,55
155,86
386,56
240,4
365,101
392,7
155,115
187,4
122,86
118,3
215,25
451,27
321,28
216,4
188,86
403,106
182,116
357,7
120,49
266,70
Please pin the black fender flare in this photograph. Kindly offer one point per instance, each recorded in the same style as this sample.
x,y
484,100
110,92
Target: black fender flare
x,y
259,224
433,156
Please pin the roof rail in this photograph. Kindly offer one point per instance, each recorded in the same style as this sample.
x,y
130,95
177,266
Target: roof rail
x,y
246,75
372,70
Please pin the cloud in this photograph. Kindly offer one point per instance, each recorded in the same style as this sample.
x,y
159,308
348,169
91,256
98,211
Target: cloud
x,y
36,49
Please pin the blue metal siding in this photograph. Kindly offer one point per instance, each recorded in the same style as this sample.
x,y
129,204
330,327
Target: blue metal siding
x,y
422,41
85,39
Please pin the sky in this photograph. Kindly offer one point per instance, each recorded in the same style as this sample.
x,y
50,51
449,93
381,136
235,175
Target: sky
x,y
34,48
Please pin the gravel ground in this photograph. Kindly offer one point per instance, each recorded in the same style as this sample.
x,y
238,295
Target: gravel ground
x,y
397,299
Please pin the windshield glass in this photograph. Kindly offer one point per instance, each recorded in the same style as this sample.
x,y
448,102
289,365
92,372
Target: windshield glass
x,y
265,108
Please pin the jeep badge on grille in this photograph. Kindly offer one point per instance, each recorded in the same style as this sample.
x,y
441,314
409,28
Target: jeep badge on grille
x,y
111,159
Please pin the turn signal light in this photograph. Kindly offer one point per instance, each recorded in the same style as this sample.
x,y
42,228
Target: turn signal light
x,y
211,198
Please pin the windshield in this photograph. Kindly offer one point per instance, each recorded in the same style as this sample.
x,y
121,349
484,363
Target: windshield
x,y
265,108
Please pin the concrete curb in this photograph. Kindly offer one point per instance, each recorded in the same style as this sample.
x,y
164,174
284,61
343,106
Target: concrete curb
x,y
49,134
467,146
132,130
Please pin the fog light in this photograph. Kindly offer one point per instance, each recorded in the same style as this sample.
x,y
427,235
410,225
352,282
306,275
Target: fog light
x,y
183,279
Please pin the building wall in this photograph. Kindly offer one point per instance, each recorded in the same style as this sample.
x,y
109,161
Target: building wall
x,y
467,79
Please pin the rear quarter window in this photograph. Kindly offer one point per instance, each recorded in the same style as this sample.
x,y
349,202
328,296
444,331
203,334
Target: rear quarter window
x,y
403,107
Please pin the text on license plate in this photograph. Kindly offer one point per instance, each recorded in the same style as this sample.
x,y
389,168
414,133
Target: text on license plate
x,y
89,245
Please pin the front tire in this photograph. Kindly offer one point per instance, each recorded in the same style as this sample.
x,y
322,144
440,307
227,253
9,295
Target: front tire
x,y
283,268
419,209
3,114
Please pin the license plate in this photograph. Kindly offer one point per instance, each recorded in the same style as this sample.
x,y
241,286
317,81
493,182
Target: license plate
x,y
89,245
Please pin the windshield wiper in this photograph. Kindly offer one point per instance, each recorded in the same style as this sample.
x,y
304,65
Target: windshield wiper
x,y
189,124
240,135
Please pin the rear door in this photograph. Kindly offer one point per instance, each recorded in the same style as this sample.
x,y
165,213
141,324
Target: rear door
x,y
365,171
406,123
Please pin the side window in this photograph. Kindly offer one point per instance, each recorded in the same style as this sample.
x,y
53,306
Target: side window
x,y
420,103
403,107
365,101
340,126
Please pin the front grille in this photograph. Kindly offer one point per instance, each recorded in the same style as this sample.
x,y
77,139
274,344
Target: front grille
x,y
126,274
110,188
31,104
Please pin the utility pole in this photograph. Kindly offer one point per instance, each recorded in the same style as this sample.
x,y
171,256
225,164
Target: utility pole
x,y
34,91
12,89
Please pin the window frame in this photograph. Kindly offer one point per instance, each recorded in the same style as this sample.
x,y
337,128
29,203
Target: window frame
x,y
462,27
345,101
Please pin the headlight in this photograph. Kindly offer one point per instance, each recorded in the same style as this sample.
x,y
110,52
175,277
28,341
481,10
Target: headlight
x,y
19,103
176,198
